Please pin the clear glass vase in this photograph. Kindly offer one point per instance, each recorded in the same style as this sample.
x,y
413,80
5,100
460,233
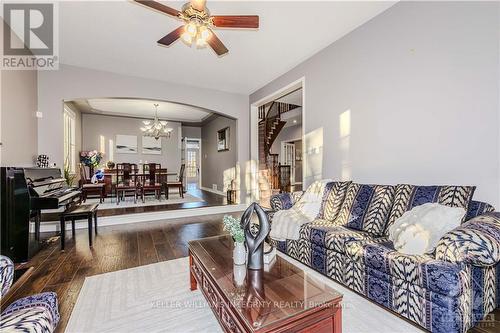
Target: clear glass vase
x,y
239,253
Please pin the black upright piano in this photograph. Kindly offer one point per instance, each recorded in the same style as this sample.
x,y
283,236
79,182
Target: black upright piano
x,y
25,192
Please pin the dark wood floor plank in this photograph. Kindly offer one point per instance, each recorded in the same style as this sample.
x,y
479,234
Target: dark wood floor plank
x,y
147,251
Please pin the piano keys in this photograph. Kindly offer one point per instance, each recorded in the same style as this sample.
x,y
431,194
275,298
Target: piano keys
x,y
24,192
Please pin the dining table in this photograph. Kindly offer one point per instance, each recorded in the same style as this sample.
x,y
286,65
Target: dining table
x,y
110,173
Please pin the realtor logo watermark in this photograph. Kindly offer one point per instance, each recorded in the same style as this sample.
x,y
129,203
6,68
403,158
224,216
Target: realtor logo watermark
x,y
30,36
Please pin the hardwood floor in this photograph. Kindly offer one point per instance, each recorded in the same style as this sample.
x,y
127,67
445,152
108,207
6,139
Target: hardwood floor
x,y
126,246
115,248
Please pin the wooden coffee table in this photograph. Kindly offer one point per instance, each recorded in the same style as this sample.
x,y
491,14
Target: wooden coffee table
x,y
280,298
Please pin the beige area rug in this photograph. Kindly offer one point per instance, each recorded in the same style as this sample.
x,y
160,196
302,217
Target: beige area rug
x,y
110,203
156,298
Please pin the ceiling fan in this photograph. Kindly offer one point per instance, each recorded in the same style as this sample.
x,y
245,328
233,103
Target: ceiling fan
x,y
199,24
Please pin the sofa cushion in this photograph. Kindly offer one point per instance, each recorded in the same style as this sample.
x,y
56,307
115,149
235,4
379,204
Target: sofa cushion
x,y
423,270
284,200
477,208
326,234
332,200
367,207
409,196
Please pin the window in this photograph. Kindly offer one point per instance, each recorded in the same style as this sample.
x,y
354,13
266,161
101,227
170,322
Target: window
x,y
69,140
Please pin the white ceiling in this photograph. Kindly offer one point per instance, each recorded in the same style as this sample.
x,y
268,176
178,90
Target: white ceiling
x,y
120,36
143,108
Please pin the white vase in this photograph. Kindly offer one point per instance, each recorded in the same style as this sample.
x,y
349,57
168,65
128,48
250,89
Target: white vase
x,y
239,253
239,274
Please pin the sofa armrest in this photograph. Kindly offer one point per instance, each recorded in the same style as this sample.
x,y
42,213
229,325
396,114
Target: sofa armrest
x,y
284,201
476,242
6,274
35,313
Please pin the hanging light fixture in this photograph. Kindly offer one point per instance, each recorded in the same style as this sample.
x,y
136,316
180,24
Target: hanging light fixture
x,y
156,128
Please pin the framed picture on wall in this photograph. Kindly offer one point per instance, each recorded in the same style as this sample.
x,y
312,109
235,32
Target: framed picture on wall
x,y
126,144
151,146
223,139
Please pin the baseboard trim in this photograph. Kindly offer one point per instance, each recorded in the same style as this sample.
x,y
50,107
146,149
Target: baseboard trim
x,y
213,191
53,226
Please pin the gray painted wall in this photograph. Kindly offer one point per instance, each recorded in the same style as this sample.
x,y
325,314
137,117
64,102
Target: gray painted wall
x,y
290,133
95,126
191,132
421,84
18,123
214,163
70,82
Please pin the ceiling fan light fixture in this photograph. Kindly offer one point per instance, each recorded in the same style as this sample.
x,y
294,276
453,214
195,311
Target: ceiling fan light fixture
x,y
192,29
199,24
200,43
186,37
204,33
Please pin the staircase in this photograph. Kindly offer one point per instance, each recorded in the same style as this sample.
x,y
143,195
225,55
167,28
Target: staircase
x,y
270,125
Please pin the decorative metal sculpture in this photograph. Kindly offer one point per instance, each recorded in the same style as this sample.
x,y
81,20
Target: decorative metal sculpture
x,y
255,240
255,304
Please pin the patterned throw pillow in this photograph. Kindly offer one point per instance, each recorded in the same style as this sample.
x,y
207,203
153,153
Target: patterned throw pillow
x,y
409,196
332,200
367,207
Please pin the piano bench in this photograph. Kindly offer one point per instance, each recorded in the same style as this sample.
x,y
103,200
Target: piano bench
x,y
75,213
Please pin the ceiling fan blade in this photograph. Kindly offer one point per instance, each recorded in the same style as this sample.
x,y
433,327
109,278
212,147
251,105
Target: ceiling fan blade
x,y
216,44
198,4
159,7
172,37
236,21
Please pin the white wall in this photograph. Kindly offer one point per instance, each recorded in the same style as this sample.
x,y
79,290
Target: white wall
x,y
69,83
106,128
421,84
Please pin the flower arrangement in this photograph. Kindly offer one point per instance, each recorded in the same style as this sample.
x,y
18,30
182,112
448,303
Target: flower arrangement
x,y
91,158
232,225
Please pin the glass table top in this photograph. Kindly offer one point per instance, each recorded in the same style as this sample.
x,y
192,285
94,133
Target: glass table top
x,y
262,297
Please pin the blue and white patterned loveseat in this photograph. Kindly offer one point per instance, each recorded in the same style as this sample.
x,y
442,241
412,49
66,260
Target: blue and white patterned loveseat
x,y
448,291
37,313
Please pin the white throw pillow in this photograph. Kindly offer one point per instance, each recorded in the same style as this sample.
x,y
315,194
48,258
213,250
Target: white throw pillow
x,y
419,230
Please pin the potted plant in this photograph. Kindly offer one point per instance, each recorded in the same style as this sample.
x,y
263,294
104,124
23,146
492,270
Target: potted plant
x,y
232,225
68,175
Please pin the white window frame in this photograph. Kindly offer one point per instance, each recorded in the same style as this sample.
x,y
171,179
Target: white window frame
x,y
69,123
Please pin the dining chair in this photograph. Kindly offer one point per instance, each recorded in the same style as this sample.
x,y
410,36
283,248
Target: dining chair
x,y
126,182
150,181
86,186
177,184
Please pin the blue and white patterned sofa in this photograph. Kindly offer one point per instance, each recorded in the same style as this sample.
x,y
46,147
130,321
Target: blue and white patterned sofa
x,y
37,313
448,291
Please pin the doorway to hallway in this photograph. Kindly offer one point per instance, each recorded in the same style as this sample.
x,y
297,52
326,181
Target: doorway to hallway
x,y
192,156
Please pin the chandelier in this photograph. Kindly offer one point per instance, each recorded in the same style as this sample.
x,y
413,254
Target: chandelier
x,y
156,128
